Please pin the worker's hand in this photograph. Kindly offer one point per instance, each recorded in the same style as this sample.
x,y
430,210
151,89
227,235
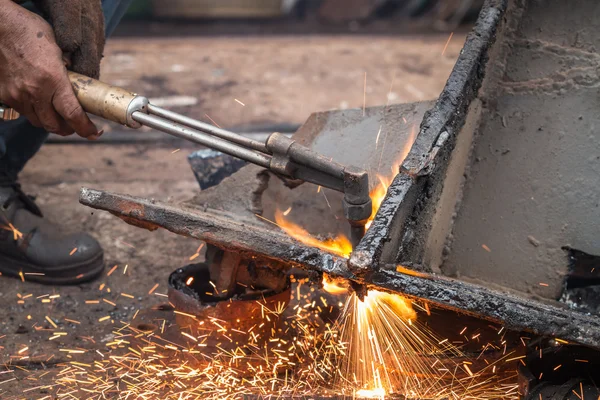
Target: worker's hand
x,y
79,30
33,77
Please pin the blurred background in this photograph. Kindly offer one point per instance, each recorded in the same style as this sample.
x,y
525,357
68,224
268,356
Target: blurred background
x,y
310,14
265,65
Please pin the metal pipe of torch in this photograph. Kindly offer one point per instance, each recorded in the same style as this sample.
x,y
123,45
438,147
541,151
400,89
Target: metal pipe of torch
x,y
279,154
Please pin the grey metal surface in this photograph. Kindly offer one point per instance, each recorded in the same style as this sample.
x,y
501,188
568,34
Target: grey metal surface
x,y
533,183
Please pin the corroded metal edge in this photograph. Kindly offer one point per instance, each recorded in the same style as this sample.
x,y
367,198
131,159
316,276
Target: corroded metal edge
x,y
513,311
257,238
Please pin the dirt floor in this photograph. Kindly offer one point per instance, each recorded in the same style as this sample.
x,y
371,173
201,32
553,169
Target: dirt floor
x,y
278,79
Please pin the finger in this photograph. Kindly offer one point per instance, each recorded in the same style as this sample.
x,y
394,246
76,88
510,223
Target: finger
x,y
67,105
51,121
29,113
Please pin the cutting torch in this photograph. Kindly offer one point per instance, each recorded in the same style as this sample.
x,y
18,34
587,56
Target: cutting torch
x,y
279,153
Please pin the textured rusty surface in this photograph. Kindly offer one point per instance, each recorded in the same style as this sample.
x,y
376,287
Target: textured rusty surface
x,y
513,310
220,229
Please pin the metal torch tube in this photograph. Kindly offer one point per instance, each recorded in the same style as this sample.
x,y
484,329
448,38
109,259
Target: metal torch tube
x,y
202,138
207,128
305,156
357,232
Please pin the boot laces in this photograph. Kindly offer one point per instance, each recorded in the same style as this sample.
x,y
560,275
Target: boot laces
x,y
18,194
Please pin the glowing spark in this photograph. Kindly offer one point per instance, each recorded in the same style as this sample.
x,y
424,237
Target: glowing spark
x,y
51,322
125,243
16,233
240,102
378,393
189,281
486,248
377,138
265,219
175,151
286,212
73,251
211,120
153,289
447,42
411,272
111,271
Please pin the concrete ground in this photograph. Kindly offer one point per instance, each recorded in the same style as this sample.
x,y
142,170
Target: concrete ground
x,y
278,79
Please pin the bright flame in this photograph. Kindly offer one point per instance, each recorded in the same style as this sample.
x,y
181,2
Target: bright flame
x,y
378,193
371,394
339,245
332,286
399,305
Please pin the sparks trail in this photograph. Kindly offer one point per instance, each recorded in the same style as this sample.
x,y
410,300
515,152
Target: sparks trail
x,y
376,348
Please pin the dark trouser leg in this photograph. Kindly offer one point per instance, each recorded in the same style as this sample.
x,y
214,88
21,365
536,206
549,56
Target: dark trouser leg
x,y
19,140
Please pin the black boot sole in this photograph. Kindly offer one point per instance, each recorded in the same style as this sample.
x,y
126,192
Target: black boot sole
x,y
69,275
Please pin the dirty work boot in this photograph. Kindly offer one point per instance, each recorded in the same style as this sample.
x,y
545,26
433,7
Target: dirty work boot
x,y
31,245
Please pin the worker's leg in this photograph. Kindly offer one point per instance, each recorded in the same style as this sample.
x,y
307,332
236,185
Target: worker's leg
x,y
38,246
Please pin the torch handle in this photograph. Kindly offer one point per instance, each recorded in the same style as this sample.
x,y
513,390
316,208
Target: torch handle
x,y
109,102
7,113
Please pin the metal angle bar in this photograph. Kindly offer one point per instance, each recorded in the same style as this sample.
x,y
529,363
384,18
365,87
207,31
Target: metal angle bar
x,y
240,235
513,311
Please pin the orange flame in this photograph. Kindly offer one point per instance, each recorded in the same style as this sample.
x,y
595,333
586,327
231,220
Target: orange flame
x,y
332,286
401,306
339,245
378,193
377,196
